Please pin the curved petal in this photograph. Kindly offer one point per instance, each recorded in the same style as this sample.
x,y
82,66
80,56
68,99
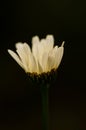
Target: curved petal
x,y
27,58
30,59
52,58
58,56
22,52
63,44
15,57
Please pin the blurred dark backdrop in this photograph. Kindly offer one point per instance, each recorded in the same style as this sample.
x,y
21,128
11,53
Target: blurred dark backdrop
x,y
20,102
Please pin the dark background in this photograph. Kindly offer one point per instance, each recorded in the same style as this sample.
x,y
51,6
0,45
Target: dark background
x,y
20,102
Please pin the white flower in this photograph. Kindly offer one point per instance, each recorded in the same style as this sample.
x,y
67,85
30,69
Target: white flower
x,y
42,58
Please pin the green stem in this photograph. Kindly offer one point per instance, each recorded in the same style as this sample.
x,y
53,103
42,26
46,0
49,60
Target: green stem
x,y
44,94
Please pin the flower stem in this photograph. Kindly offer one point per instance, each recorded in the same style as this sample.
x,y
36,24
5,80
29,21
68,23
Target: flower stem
x,y
44,94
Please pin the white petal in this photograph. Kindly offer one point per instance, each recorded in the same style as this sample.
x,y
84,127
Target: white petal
x,y
21,50
38,50
63,43
15,57
35,39
42,49
27,49
44,62
30,59
50,63
35,43
27,58
59,55
40,68
50,42
35,52
52,58
18,45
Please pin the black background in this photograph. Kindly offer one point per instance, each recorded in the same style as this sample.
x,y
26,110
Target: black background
x,y
20,103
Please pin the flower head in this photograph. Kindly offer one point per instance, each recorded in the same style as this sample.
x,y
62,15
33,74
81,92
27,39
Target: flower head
x,y
43,58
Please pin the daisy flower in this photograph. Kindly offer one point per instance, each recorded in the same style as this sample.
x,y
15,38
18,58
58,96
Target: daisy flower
x,y
42,58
